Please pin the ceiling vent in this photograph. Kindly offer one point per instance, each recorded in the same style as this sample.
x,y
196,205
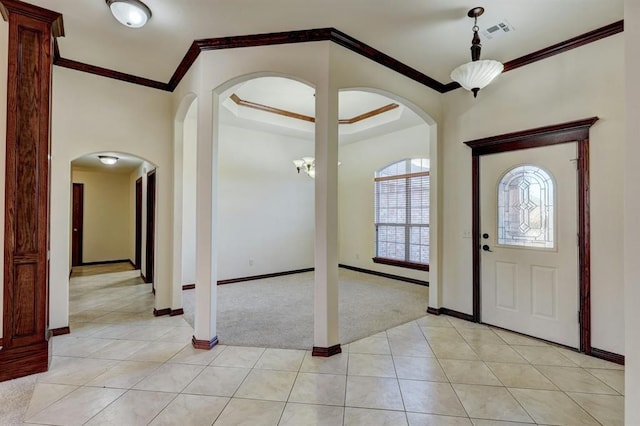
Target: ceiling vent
x,y
498,30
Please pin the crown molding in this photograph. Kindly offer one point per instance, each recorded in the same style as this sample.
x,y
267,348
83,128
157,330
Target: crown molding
x,y
105,72
325,34
564,46
35,12
285,113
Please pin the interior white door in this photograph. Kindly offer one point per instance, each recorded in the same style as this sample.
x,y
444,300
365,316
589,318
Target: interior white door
x,y
529,239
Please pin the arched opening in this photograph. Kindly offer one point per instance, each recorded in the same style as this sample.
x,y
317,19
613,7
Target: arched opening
x,y
378,129
263,126
113,232
184,203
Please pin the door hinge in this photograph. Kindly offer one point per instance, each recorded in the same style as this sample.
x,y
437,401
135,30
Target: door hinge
x,y
575,162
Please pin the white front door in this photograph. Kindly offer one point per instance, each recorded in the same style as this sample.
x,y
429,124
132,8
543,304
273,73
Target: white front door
x,y
529,239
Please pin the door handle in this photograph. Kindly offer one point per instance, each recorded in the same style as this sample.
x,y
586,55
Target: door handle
x,y
486,248
75,229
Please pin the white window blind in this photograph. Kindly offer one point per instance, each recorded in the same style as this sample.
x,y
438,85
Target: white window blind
x,y
402,212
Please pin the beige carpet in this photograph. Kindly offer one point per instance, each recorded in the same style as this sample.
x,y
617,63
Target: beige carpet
x,y
278,312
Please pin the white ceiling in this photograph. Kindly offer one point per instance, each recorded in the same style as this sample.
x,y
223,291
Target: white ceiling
x,y
296,97
126,163
432,36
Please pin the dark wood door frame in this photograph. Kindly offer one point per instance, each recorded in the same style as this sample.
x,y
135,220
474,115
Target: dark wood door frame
x,y
575,131
138,242
77,221
151,227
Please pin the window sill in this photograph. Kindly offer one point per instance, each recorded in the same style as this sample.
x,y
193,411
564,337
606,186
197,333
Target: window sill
x,y
401,263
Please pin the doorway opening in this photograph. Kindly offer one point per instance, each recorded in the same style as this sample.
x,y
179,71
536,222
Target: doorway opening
x,y
111,223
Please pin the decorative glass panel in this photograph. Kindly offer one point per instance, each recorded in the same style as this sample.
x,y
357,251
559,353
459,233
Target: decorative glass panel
x,y
525,208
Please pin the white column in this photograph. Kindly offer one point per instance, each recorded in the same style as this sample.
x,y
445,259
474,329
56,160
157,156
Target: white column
x,y
325,307
206,223
631,208
435,243
176,270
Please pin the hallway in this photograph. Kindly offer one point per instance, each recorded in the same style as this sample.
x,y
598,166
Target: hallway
x,y
121,365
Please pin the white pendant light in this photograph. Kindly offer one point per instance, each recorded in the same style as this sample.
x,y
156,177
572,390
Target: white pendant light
x,y
475,75
130,13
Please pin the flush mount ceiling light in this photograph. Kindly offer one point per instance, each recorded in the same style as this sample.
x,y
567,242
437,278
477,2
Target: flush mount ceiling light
x,y
476,74
130,13
109,160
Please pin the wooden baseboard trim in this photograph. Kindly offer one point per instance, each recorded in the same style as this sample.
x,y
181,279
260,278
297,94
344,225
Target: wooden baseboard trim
x,y
300,271
451,313
204,344
24,361
259,277
326,352
175,312
60,331
384,275
133,265
105,262
161,312
607,356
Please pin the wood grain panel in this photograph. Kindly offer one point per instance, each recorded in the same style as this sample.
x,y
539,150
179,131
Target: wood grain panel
x,y
30,49
25,300
27,141
24,360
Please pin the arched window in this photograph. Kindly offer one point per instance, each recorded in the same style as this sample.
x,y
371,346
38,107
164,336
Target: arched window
x,y
402,214
525,208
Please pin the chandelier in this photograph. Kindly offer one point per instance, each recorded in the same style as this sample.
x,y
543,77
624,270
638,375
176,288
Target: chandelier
x,y
308,164
476,74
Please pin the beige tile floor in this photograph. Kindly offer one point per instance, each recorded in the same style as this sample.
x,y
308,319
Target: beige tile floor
x,y
122,366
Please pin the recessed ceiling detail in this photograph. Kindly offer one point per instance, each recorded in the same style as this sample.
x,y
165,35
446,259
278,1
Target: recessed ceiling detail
x,y
266,108
286,106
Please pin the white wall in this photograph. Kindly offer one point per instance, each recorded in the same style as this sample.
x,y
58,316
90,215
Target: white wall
x,y
360,160
107,208
189,196
581,83
266,207
95,114
631,209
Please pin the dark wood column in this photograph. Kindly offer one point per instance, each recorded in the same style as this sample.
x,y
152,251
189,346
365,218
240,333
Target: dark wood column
x,y
25,333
